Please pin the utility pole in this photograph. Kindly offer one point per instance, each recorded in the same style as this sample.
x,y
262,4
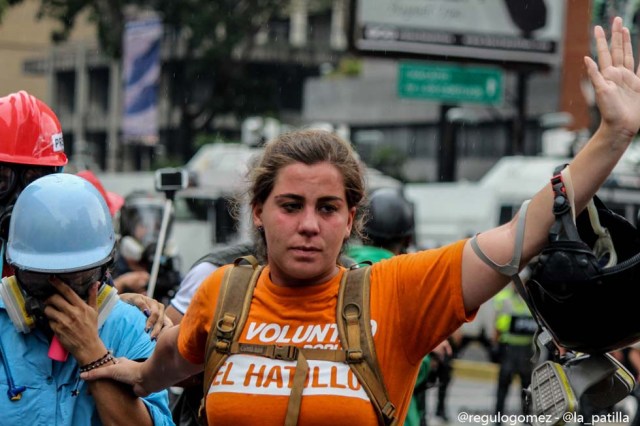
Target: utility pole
x,y
447,153
113,141
80,147
520,121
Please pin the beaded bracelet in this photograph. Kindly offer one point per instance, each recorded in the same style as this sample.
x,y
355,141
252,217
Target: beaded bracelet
x,y
108,357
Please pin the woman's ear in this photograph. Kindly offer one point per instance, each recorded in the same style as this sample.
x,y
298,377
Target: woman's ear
x,y
351,218
256,213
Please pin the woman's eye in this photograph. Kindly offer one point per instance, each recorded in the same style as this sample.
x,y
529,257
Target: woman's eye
x,y
290,207
328,208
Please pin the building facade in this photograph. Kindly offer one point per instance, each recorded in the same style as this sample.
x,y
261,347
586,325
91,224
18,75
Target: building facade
x,y
302,53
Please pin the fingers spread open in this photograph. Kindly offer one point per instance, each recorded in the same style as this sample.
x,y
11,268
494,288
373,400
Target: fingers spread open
x,y
594,75
628,50
602,49
617,50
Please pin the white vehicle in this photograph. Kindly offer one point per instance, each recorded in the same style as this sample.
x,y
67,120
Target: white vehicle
x,y
515,179
449,211
446,212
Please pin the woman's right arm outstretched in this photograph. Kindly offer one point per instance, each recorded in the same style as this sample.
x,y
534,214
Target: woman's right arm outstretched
x,y
164,368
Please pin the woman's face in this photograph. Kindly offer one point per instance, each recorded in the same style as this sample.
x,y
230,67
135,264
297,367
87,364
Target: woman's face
x,y
306,220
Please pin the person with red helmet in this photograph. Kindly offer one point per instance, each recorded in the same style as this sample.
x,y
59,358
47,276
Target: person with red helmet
x,y
32,146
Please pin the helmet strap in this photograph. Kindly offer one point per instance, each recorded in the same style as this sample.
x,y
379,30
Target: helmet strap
x,y
603,247
564,228
511,268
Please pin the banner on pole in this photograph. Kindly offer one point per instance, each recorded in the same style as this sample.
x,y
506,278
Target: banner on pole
x,y
141,75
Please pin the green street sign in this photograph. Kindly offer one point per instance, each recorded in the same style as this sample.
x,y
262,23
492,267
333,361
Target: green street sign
x,y
449,83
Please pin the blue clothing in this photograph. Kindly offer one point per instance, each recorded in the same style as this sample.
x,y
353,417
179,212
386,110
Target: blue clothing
x,y
48,398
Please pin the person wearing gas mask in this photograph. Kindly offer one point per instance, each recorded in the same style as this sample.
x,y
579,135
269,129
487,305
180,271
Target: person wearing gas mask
x,y
139,221
59,318
33,146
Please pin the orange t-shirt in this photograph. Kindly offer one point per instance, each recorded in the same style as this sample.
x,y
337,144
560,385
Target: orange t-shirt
x,y
416,302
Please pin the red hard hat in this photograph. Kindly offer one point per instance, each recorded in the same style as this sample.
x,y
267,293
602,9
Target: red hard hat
x,y
30,132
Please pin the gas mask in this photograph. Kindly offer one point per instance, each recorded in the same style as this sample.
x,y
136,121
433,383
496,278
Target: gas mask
x,y
26,307
558,387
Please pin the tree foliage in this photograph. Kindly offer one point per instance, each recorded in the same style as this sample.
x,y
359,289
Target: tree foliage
x,y
5,4
218,34
106,14
206,38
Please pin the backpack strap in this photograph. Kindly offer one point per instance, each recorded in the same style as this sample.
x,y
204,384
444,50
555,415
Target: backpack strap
x,y
353,318
234,300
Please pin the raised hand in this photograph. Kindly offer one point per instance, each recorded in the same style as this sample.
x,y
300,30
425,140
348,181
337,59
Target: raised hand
x,y
616,83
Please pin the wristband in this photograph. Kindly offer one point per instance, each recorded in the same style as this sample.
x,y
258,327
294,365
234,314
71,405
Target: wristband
x,y
106,358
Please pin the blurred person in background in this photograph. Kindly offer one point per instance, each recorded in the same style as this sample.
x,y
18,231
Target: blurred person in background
x,y
130,285
133,281
389,228
515,328
139,220
389,231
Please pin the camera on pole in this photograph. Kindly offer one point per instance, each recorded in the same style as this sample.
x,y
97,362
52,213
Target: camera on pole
x,y
169,181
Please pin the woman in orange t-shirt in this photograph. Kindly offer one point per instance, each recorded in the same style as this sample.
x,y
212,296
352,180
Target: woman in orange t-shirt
x,y
305,197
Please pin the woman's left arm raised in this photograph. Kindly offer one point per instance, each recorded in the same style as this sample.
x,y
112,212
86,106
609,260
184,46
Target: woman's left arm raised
x,y
617,89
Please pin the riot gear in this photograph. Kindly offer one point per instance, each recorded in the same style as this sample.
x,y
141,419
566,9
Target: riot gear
x,y
587,303
583,290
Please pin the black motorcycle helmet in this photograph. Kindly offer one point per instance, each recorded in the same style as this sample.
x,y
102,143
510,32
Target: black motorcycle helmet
x,y
391,215
587,305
